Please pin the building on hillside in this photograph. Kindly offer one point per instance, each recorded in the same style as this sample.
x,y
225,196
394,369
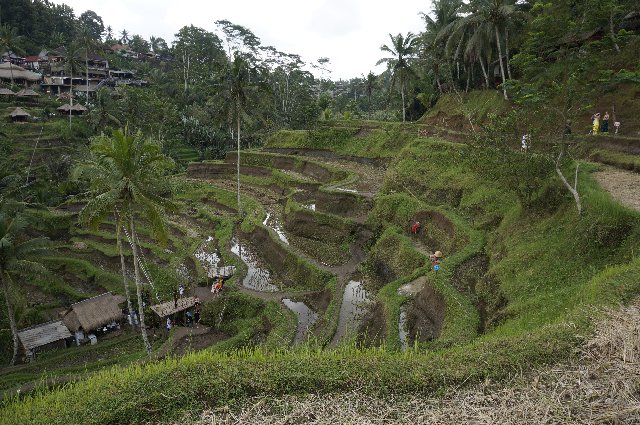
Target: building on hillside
x,y
5,93
76,109
20,115
96,315
20,75
43,337
8,56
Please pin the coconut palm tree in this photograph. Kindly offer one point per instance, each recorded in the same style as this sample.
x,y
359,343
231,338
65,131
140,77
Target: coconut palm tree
x,y
124,37
495,16
89,45
403,52
9,42
127,172
369,85
18,255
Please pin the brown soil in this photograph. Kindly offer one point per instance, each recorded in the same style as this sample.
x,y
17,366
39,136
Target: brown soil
x,y
425,316
193,341
623,186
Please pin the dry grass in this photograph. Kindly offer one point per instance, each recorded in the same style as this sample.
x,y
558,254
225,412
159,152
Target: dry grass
x,y
603,386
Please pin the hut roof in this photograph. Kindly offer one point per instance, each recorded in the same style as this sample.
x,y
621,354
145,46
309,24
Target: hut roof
x,y
19,112
27,92
19,73
43,334
93,313
169,308
64,108
78,107
6,92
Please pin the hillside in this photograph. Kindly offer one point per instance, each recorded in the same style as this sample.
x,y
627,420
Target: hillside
x,y
330,228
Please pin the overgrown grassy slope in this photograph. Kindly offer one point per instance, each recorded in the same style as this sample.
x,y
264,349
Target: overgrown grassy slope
x,y
546,269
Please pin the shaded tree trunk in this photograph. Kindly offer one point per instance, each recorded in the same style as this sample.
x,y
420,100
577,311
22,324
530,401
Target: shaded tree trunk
x,y
506,49
86,64
136,268
612,32
403,106
122,265
504,88
70,96
484,73
12,318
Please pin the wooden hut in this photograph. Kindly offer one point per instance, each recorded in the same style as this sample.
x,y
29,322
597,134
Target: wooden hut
x,y
93,314
67,109
19,74
27,93
6,92
20,115
172,307
43,337
78,109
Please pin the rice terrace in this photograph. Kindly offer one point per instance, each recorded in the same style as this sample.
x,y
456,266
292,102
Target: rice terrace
x,y
438,226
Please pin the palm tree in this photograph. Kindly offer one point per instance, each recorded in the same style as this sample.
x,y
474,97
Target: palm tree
x,y
369,85
402,50
9,42
127,176
124,37
237,86
89,45
18,254
494,16
72,65
103,111
109,35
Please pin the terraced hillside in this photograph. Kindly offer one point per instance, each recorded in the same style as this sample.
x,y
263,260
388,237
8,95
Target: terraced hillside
x,y
333,293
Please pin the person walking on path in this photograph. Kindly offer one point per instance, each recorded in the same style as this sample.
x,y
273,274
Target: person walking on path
x,y
415,228
196,317
181,290
605,122
168,324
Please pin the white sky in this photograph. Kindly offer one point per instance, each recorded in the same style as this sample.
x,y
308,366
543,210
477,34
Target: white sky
x,y
349,32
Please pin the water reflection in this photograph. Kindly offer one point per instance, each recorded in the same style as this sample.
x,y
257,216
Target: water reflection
x,y
274,224
306,318
354,306
257,278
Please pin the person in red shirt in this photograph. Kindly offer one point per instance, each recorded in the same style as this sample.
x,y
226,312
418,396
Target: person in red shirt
x,y
415,228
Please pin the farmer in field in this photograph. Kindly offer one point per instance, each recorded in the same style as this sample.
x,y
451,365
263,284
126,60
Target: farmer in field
x,y
415,228
435,258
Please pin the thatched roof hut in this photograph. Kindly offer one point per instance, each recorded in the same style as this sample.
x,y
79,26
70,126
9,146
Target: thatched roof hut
x,y
20,114
27,93
171,307
76,109
79,108
19,73
43,334
6,92
92,313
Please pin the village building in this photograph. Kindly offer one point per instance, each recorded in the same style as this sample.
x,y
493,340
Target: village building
x,y
5,93
20,115
20,75
42,337
94,316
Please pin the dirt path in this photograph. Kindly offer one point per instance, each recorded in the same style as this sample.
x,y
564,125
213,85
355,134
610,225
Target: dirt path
x,y
624,186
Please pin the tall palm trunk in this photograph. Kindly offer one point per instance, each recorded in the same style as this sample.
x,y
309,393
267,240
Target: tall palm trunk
x,y
506,50
238,160
86,64
504,88
403,106
136,268
11,69
484,72
12,318
70,96
122,265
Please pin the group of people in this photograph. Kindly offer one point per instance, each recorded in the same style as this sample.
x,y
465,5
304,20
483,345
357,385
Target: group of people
x,y
602,125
